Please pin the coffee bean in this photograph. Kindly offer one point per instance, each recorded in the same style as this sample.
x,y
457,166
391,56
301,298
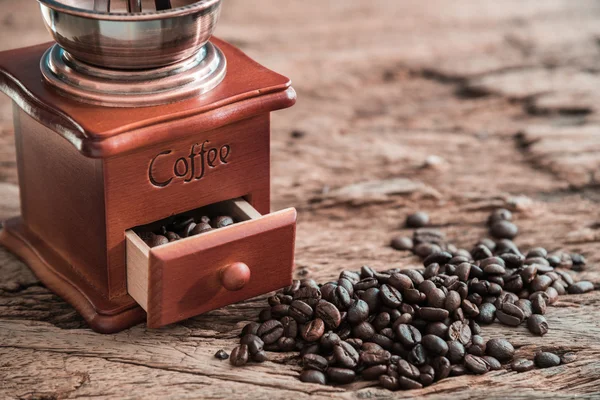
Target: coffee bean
x,y
358,312
425,249
364,330
487,313
389,382
568,358
328,340
373,372
456,351
313,330
460,331
507,319
537,324
313,376
381,321
341,375
290,327
414,276
390,296
374,357
440,258
408,335
471,310
400,281
476,364
408,384
254,343
172,236
522,365
408,370
477,347
270,331
500,214
546,359
438,329
222,221
286,344
239,355
417,220
452,301
315,361
480,252
366,283
458,370
513,260
427,375
581,287
435,345
441,366
504,230
500,349
221,355
402,243
513,311
329,314
433,314
493,363
540,283
201,227
345,355
526,306
417,355
252,328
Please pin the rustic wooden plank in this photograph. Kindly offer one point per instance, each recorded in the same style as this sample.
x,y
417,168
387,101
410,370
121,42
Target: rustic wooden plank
x,y
454,108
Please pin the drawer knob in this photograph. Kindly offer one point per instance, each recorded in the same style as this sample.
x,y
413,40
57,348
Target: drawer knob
x,y
235,276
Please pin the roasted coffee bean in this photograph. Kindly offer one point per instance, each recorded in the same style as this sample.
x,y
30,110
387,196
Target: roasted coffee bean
x,y
540,283
408,370
463,271
341,298
254,343
408,384
293,288
452,301
221,355
239,355
504,230
172,236
513,260
414,275
568,358
157,240
341,375
526,306
417,355
222,221
513,311
456,351
313,376
433,314
438,329
389,382
358,312
537,324
458,370
251,327
440,258
390,296
581,287
300,311
402,243
372,298
374,357
313,330
476,364
435,345
364,330
506,319
477,347
460,331
413,296
487,313
522,365
280,310
529,273
290,327
315,361
201,227
408,335
345,355
427,375
471,310
328,340
546,359
480,252
441,366
286,344
270,331
400,281
366,283
500,349
329,314
310,348
499,214
374,372
425,249
417,220
537,252
381,321
347,284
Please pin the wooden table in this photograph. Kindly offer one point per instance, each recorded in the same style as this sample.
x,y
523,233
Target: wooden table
x,y
454,108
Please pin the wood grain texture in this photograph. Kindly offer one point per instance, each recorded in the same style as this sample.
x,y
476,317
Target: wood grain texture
x,y
386,85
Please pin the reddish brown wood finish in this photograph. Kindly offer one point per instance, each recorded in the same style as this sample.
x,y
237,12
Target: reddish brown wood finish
x,y
87,174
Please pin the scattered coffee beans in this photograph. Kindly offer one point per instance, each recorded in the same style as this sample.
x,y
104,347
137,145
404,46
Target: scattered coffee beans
x,y
409,328
182,226
221,355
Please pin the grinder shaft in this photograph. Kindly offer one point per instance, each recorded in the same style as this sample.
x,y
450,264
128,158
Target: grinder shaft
x,y
134,6
102,5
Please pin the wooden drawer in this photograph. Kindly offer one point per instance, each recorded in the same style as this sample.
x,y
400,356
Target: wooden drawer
x,y
187,277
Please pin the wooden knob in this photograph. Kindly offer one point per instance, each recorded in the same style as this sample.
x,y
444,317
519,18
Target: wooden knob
x,y
235,276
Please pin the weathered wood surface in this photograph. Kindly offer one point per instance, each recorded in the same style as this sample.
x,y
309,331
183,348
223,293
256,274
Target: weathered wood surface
x,y
450,107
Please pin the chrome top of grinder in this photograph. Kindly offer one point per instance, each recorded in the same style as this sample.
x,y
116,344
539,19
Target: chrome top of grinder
x,y
109,56
131,34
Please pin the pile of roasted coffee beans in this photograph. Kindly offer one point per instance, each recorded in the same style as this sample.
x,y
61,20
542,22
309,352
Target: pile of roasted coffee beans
x,y
182,227
410,328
